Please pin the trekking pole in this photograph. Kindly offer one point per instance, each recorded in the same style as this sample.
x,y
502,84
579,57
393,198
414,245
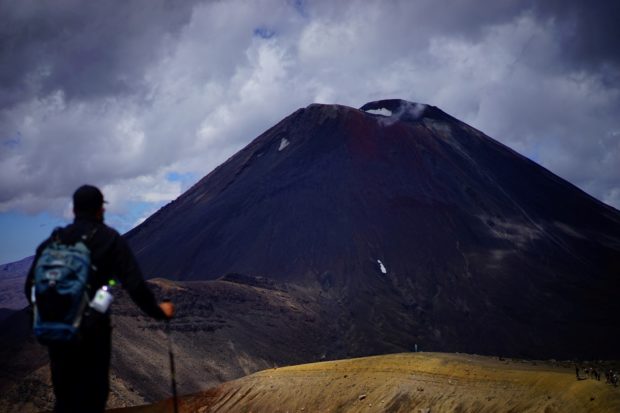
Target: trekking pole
x,y
175,400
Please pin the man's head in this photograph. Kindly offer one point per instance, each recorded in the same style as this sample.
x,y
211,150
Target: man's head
x,y
88,201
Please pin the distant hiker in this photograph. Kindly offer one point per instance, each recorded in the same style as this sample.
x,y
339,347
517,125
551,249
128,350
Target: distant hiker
x,y
611,377
577,372
80,351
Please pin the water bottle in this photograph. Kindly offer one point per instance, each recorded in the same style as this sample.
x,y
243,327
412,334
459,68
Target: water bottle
x,y
102,300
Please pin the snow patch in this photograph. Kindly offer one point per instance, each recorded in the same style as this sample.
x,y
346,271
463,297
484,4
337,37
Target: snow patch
x,y
382,112
283,144
382,267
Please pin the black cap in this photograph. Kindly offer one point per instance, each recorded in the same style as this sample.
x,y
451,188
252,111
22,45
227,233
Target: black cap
x,y
87,198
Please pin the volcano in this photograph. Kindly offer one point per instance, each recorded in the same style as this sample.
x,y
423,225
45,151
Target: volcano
x,y
412,227
344,232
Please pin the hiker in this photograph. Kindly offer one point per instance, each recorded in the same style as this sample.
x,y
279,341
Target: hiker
x,y
80,366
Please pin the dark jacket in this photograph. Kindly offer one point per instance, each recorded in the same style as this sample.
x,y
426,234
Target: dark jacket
x,y
112,259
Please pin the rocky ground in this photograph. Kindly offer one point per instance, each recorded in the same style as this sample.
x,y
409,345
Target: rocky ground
x,y
408,382
223,330
236,326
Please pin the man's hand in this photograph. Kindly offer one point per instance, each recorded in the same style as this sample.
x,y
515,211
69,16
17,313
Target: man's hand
x,y
168,308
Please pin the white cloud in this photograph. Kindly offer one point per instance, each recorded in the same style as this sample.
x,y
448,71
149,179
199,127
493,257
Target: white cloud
x,y
150,189
214,85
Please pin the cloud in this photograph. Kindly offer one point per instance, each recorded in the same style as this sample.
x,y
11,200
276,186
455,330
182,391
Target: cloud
x,y
587,32
86,49
124,94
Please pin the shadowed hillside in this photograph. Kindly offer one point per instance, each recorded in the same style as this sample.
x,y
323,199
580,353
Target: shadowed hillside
x,y
223,330
415,226
12,276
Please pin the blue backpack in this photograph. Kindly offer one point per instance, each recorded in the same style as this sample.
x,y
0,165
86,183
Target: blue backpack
x,y
60,289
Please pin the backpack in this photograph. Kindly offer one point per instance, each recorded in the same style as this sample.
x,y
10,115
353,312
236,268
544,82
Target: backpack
x,y
60,289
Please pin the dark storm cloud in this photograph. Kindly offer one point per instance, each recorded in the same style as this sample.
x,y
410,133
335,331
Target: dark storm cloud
x,y
86,49
90,49
137,89
589,30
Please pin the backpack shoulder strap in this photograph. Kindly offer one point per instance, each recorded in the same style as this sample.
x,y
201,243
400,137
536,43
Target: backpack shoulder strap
x,y
61,235
56,234
89,235
86,238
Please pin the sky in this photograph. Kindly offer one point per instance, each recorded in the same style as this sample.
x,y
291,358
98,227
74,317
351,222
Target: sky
x,y
144,97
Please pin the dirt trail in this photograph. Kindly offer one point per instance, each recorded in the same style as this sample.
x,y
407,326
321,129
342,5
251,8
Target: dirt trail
x,y
410,382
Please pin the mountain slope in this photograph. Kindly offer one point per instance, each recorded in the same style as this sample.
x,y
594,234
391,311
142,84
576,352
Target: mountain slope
x,y
424,230
223,330
12,277
414,382
342,233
